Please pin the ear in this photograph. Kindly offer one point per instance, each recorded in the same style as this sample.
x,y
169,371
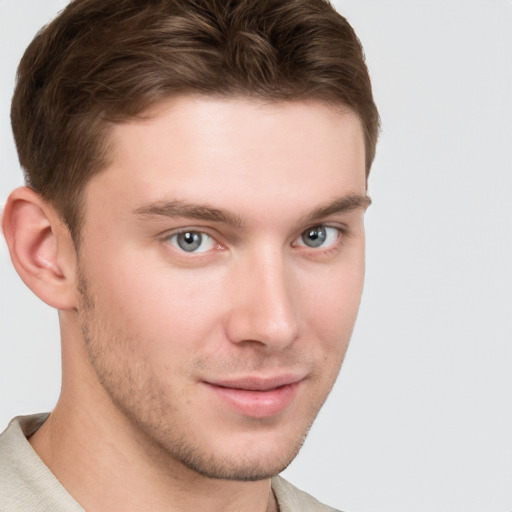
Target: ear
x,y
41,248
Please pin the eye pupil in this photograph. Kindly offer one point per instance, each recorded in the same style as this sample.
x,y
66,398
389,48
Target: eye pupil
x,y
189,240
314,237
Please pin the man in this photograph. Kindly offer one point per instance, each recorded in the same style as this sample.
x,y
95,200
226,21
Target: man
x,y
196,183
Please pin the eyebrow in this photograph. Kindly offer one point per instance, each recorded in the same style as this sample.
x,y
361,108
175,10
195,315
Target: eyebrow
x,y
340,205
176,208
187,210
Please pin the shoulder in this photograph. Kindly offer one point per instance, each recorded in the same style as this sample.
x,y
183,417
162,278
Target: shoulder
x,y
291,499
27,484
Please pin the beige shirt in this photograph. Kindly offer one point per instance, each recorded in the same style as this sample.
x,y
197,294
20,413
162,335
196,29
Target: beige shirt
x,y
27,485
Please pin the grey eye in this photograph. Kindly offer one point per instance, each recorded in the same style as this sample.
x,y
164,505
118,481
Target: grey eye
x,y
314,237
192,241
189,241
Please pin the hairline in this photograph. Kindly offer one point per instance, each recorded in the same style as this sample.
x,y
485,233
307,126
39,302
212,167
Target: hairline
x,y
152,111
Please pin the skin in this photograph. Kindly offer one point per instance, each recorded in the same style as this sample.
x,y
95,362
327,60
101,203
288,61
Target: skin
x,y
174,362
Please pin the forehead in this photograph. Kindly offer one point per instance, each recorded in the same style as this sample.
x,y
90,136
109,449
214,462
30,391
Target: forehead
x,y
233,151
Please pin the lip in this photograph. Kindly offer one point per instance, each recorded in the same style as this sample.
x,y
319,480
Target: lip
x,y
257,397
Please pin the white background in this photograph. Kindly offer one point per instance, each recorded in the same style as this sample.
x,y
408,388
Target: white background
x,y
421,418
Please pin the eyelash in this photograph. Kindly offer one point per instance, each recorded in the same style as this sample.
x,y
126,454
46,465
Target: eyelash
x,y
341,232
174,236
316,233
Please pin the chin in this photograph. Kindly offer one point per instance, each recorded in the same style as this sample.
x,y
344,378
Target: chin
x,y
238,468
239,456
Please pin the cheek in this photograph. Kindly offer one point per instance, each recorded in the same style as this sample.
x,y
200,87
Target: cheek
x,y
160,307
331,313
333,297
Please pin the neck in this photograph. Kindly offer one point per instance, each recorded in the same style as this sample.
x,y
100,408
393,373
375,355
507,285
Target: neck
x,y
103,471
106,464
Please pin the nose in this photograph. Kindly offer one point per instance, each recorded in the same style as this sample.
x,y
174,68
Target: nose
x,y
262,310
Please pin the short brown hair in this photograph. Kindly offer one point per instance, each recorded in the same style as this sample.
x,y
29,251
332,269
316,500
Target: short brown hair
x,y
106,61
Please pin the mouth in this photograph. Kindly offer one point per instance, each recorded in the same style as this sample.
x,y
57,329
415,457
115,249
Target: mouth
x,y
257,397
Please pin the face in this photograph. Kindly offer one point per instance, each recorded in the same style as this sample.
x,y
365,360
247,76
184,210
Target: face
x,y
221,269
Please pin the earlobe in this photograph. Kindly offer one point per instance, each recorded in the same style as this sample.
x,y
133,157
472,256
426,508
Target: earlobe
x,y
41,247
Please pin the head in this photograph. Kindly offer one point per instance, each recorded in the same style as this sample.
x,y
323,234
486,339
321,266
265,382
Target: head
x,y
203,167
